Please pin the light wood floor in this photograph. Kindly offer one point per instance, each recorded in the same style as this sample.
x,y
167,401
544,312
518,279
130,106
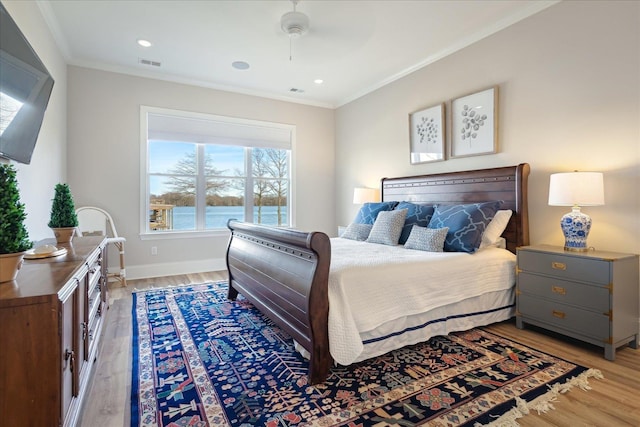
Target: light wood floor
x,y
612,401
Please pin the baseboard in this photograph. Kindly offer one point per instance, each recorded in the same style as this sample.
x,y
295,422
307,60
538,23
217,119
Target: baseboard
x,y
173,268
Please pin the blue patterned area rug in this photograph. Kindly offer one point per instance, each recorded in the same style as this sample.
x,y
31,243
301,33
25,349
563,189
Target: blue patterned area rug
x,y
201,360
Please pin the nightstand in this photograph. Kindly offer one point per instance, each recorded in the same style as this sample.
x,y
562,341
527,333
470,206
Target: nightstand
x,y
591,296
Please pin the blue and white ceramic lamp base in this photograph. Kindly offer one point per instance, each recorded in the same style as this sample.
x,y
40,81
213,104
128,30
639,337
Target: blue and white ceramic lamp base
x,y
575,226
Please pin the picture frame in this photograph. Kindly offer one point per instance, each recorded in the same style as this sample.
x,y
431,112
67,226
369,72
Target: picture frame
x,y
474,124
427,135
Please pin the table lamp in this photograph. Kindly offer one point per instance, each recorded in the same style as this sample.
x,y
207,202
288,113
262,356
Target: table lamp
x,y
363,195
576,189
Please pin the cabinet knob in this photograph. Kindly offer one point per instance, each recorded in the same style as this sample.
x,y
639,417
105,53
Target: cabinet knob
x,y
69,354
558,314
558,265
558,290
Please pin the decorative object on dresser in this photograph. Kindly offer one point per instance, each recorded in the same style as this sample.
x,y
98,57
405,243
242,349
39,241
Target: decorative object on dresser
x,y
576,189
63,219
14,238
591,296
286,273
93,221
427,135
51,327
474,124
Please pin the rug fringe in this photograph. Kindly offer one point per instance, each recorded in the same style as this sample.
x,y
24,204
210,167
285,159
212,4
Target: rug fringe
x,y
543,404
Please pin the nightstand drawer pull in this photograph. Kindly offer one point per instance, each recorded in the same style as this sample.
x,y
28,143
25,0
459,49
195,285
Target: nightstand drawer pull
x,y
558,314
558,290
558,265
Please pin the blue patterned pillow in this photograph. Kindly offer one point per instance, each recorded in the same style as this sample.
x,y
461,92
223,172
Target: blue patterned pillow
x,y
387,228
416,215
369,211
466,224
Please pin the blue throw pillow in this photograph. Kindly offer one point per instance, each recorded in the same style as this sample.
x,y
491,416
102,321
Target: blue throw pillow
x,y
466,224
416,215
369,211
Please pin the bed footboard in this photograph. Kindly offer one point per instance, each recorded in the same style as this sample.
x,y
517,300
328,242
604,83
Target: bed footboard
x,y
285,274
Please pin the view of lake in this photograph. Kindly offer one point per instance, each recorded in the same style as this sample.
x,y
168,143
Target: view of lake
x,y
184,217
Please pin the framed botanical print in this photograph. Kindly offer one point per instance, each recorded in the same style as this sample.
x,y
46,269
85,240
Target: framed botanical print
x,y
474,124
427,135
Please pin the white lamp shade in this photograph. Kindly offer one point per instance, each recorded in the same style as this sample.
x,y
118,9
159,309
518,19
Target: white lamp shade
x,y
576,189
364,195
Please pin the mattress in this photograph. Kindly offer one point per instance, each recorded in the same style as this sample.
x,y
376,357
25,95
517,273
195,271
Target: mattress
x,y
384,297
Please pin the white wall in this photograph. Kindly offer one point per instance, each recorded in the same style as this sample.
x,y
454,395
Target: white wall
x,y
104,160
569,81
48,164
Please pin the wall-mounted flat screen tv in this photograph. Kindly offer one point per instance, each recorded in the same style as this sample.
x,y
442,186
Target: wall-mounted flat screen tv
x,y
25,88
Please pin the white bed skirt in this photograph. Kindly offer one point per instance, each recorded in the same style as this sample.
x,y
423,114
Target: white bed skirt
x,y
482,310
473,312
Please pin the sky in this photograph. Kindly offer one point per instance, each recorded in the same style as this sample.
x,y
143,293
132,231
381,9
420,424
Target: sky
x,y
164,156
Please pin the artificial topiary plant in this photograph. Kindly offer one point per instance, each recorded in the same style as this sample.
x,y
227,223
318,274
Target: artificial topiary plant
x,y
63,212
13,234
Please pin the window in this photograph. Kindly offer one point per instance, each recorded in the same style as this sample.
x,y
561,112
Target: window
x,y
201,170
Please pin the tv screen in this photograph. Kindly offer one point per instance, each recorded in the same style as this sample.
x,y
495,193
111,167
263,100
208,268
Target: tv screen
x,y
25,88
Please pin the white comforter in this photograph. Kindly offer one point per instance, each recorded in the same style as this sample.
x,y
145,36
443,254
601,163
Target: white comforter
x,y
370,284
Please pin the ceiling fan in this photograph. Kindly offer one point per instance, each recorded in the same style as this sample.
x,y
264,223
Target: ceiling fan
x,y
295,24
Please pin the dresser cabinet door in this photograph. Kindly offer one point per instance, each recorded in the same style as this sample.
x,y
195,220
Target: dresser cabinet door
x,y
31,330
68,355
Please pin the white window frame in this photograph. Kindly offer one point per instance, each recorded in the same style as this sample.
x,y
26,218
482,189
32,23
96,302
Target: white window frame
x,y
254,125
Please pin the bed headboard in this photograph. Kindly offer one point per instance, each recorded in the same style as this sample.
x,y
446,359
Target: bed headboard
x,y
508,184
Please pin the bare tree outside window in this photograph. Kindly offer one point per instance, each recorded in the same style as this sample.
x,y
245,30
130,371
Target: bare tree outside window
x,y
186,168
270,168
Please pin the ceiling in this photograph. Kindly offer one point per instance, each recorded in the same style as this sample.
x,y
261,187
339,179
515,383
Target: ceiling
x,y
355,47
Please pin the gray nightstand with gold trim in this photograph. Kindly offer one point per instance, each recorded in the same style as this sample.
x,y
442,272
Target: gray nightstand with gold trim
x,y
591,296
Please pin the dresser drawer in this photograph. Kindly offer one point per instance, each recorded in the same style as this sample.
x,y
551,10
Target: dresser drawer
x,y
565,266
588,323
593,297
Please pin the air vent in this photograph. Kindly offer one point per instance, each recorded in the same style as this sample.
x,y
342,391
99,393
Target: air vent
x,y
149,62
296,90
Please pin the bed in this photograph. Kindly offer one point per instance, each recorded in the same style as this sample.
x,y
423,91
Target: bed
x,y
287,274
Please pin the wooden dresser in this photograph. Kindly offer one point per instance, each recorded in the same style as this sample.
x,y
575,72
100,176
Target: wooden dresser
x,y
51,320
591,296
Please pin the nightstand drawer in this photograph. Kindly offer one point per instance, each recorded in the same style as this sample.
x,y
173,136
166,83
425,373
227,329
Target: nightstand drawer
x,y
586,296
588,323
565,267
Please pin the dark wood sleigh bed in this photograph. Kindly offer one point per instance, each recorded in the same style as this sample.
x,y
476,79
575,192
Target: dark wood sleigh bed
x,y
285,272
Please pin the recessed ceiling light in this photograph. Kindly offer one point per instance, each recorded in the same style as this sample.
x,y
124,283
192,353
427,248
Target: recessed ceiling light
x,y
240,65
318,81
144,43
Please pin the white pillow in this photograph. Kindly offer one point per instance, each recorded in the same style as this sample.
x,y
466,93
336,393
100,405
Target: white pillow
x,y
495,228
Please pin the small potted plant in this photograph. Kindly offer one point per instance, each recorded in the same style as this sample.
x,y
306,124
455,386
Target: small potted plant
x,y
14,238
63,220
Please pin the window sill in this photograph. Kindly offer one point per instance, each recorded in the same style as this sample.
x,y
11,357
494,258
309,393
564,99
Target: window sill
x,y
168,235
